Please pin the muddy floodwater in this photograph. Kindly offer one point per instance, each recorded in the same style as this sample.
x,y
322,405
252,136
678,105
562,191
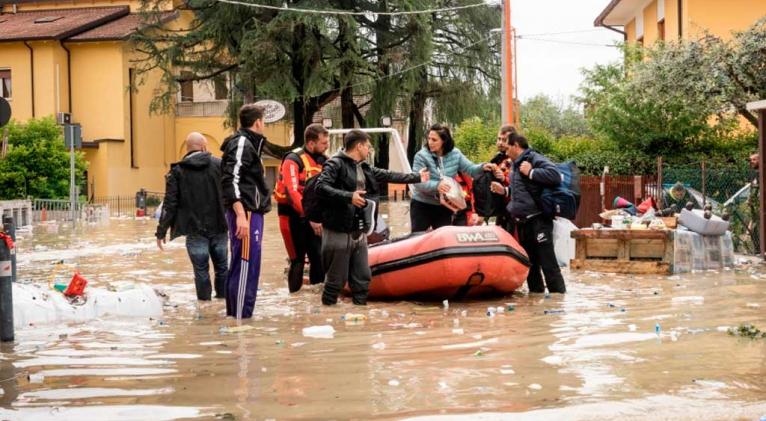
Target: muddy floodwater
x,y
594,353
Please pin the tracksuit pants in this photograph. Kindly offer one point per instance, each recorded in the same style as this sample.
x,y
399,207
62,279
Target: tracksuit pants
x,y
245,267
536,236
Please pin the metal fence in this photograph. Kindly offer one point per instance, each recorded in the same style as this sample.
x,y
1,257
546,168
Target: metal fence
x,y
44,210
727,188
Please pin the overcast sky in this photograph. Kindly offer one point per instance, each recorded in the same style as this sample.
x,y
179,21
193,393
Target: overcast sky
x,y
553,68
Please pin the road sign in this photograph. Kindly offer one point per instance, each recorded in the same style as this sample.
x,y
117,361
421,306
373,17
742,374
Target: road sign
x,y
72,131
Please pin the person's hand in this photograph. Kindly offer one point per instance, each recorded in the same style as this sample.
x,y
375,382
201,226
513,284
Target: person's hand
x,y
489,167
316,227
497,188
498,173
160,242
525,168
443,187
243,227
424,175
357,199
475,220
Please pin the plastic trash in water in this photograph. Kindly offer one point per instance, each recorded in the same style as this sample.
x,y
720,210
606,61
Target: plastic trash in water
x,y
490,312
320,332
464,313
36,378
657,329
393,382
445,303
60,285
353,318
379,346
500,310
559,311
233,329
510,307
478,353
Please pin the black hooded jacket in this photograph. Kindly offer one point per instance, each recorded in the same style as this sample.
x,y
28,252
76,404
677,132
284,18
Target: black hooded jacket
x,y
193,202
527,190
337,184
243,173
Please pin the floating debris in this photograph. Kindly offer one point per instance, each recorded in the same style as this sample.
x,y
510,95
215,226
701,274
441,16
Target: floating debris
x,y
747,331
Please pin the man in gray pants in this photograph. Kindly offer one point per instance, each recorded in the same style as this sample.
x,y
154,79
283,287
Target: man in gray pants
x,y
349,188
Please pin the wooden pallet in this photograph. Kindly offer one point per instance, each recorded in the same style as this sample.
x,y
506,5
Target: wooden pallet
x,y
623,251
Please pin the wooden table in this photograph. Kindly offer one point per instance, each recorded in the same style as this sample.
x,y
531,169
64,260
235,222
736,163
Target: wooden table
x,y
623,251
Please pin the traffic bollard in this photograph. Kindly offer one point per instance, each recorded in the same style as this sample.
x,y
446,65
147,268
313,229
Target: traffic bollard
x,y
6,288
9,226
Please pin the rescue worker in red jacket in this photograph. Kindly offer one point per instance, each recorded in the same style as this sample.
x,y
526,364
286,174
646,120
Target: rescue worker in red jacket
x,y
302,236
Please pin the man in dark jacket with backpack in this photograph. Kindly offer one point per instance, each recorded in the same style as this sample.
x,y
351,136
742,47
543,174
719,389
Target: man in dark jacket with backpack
x,y
193,207
532,172
349,188
246,198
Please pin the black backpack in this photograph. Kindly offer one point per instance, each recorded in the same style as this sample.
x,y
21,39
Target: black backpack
x,y
485,202
311,201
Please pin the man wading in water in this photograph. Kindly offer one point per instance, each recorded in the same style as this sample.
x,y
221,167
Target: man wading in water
x,y
246,198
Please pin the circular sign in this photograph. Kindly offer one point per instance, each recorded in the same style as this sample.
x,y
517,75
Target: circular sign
x,y
274,110
5,112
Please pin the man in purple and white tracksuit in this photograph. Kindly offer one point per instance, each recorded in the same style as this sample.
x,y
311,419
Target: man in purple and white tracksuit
x,y
246,198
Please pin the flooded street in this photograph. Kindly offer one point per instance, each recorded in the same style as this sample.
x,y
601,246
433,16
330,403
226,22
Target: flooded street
x,y
594,353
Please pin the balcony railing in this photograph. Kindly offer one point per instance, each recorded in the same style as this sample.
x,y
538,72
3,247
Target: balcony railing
x,y
201,109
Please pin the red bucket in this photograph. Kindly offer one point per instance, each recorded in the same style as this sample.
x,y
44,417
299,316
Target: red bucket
x,y
76,285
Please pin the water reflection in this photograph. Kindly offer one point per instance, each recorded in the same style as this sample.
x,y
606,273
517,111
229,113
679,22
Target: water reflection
x,y
592,354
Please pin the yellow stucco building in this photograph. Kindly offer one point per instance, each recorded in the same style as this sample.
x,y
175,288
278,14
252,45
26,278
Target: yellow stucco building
x,y
648,21
74,57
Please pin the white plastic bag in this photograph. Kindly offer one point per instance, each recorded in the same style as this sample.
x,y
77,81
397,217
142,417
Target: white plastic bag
x,y
563,243
454,199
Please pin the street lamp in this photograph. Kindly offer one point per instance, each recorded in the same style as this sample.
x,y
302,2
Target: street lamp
x,y
327,123
385,121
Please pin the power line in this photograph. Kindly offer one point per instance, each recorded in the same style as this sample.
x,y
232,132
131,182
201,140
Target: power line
x,y
578,31
348,12
557,41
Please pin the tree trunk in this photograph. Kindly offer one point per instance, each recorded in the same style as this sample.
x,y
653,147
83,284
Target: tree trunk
x,y
347,107
417,104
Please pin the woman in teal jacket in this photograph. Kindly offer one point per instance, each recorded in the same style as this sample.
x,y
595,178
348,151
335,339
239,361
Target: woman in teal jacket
x,y
442,160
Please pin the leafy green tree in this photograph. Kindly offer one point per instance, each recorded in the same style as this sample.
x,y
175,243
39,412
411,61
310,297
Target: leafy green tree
x,y
372,63
665,102
37,163
542,112
476,139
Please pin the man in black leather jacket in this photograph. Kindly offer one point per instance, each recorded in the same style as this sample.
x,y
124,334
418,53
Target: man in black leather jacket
x,y
193,207
532,172
349,187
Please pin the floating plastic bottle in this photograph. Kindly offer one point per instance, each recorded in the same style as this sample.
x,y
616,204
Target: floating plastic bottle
x,y
657,329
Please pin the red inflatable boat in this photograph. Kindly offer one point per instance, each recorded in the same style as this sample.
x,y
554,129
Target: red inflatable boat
x,y
448,263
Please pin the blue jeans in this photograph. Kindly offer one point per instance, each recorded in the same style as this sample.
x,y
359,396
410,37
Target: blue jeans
x,y
201,250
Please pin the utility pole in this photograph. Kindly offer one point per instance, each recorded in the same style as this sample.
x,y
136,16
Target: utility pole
x,y
72,188
507,66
